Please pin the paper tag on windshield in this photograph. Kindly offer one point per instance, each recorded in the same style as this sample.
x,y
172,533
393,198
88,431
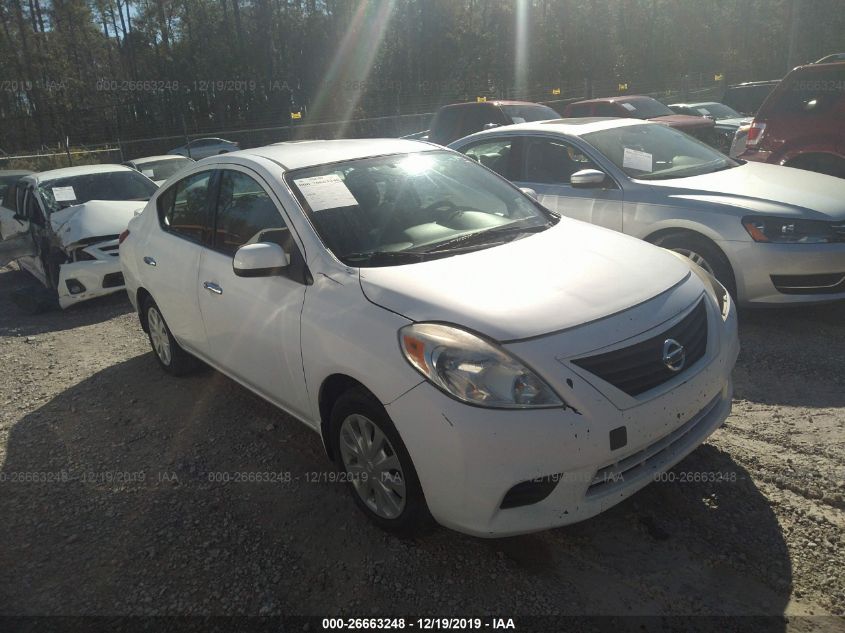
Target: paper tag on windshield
x,y
64,194
326,192
149,173
635,159
628,107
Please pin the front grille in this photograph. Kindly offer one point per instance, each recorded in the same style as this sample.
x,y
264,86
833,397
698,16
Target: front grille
x,y
113,280
825,284
640,367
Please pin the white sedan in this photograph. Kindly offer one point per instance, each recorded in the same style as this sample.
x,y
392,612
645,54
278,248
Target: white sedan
x,y
460,349
62,227
770,234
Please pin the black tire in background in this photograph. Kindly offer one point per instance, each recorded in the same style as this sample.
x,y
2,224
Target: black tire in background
x,y
715,261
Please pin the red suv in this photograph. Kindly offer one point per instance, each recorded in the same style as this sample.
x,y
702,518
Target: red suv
x,y
802,123
647,108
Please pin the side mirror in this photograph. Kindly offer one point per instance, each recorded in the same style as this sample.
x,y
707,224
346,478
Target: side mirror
x,y
20,218
263,259
528,191
588,178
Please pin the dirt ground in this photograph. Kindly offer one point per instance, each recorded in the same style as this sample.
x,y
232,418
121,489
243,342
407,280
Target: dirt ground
x,y
108,503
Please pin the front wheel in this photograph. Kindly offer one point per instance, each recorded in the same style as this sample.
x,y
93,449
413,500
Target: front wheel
x,y
704,253
379,470
167,351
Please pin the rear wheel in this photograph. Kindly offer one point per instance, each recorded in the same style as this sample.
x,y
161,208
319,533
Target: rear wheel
x,y
704,253
379,470
167,351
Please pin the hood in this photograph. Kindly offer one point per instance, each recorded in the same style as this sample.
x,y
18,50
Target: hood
x,y
94,218
763,188
684,121
565,276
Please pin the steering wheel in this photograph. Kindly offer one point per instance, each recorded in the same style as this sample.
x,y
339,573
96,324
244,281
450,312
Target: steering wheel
x,y
443,211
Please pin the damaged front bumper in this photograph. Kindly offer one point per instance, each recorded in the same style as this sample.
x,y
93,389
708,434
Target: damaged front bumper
x,y
89,278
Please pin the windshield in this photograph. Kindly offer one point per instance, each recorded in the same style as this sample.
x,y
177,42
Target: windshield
x,y
110,185
645,108
528,113
410,207
162,169
718,110
653,152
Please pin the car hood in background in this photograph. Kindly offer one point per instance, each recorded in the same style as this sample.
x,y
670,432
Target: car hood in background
x,y
94,218
763,188
684,121
566,276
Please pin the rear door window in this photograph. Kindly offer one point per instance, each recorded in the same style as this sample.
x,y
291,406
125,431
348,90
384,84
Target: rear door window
x,y
183,208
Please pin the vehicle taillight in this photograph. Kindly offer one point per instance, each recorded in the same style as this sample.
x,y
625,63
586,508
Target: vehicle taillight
x,y
122,237
755,133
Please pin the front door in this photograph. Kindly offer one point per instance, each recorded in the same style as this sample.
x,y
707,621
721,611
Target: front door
x,y
548,164
252,323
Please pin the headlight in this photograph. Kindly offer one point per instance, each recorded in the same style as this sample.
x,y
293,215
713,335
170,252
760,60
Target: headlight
x,y
473,370
788,231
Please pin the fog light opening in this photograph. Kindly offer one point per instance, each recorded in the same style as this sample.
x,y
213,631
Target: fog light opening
x,y
74,286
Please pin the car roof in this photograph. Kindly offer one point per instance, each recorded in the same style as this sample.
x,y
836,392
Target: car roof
x,y
15,172
82,170
618,98
298,154
150,159
699,104
573,127
495,102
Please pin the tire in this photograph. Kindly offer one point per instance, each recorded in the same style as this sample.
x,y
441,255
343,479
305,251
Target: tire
x,y
172,358
704,253
390,496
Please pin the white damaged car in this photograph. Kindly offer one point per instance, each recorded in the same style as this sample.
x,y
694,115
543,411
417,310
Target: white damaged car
x,y
62,226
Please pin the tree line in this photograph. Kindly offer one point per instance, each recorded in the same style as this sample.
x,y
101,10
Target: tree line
x,y
92,70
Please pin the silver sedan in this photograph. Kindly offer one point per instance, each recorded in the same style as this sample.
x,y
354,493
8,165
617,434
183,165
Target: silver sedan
x,y
770,234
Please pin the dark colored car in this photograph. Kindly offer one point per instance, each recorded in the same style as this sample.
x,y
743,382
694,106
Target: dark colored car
x,y
455,121
802,123
747,98
646,108
727,120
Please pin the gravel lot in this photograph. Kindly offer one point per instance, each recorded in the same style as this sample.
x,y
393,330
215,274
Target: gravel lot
x,y
81,394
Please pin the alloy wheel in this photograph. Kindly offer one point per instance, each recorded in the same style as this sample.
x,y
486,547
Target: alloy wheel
x,y
696,258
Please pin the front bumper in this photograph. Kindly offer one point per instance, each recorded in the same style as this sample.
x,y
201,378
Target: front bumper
x,y
469,458
80,281
797,269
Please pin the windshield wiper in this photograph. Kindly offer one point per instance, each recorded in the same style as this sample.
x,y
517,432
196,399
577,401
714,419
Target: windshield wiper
x,y
482,237
377,258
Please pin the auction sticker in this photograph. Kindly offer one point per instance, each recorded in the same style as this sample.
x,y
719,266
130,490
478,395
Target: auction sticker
x,y
326,192
64,194
635,159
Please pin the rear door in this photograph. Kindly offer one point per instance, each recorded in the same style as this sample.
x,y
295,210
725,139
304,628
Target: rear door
x,y
171,254
546,167
253,323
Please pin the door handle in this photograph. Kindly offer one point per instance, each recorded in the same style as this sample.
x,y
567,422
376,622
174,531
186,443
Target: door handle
x,y
149,261
212,287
